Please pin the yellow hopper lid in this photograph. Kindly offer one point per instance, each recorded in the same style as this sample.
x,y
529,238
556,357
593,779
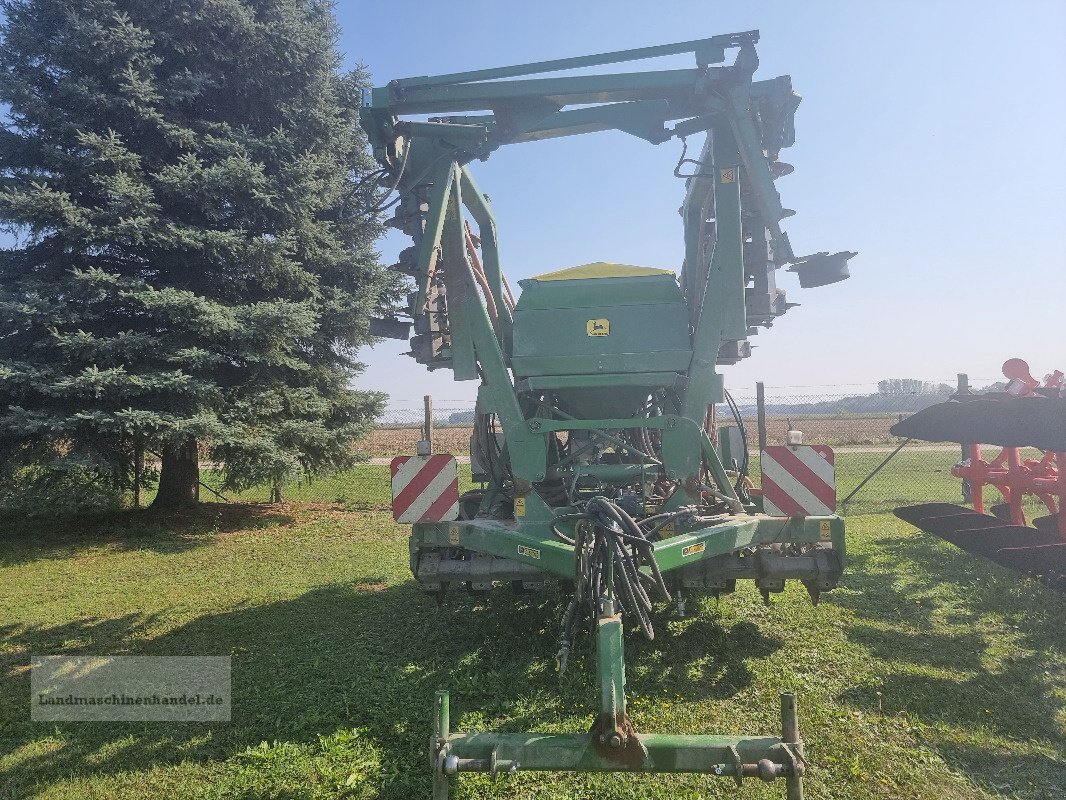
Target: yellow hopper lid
x,y
600,269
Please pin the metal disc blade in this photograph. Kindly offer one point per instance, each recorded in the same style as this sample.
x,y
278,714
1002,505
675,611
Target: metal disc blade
x,y
1049,523
1012,422
947,526
1001,510
988,542
914,514
1040,560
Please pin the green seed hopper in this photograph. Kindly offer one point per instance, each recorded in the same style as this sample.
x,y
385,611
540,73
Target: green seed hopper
x,y
594,436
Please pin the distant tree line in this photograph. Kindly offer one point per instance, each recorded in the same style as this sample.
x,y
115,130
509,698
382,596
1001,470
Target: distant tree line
x,y
894,396
897,386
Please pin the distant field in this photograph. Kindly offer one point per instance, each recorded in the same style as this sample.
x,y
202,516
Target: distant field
x,y
910,477
400,441
852,430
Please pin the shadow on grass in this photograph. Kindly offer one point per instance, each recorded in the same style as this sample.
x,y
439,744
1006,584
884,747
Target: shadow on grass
x,y
705,660
367,656
27,540
996,677
993,769
370,656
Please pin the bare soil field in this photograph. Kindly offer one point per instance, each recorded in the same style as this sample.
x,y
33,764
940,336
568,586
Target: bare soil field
x,y
828,430
386,441
401,441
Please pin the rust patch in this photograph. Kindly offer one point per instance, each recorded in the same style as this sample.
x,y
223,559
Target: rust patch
x,y
632,755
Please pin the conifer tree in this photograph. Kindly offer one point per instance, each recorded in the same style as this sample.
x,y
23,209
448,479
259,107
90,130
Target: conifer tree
x,y
191,272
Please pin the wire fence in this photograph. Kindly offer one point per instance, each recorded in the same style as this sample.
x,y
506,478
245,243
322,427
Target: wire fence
x,y
854,420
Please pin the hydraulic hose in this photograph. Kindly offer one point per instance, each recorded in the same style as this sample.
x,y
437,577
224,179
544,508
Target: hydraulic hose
x,y
613,544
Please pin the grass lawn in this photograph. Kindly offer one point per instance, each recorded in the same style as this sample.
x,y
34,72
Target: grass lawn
x,y
928,674
912,476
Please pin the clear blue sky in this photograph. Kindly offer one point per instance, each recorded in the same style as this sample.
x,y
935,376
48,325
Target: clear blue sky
x,y
930,139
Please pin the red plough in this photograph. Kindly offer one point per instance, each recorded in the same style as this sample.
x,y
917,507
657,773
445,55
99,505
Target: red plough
x,y
1029,414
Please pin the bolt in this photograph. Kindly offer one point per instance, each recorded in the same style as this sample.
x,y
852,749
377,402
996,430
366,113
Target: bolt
x,y
534,425
616,741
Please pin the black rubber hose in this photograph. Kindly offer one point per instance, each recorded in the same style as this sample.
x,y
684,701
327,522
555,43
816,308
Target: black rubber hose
x,y
617,537
639,611
630,571
649,551
563,537
582,573
735,409
637,536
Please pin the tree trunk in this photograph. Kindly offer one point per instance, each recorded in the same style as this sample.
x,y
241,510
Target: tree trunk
x,y
179,476
138,471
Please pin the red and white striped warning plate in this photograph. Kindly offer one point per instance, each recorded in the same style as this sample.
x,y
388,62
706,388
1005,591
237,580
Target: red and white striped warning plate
x,y
799,481
425,489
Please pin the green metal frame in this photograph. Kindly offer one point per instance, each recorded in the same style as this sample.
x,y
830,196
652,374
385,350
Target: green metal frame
x,y
435,154
533,542
766,757
732,180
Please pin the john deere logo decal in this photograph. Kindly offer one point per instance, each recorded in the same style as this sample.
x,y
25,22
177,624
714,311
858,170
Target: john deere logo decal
x,y
692,549
598,327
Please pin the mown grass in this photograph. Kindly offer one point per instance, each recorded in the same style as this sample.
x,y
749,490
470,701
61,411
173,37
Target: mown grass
x,y
365,487
909,477
928,674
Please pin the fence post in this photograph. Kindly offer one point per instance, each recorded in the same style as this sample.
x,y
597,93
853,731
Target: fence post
x,y
428,426
760,402
962,391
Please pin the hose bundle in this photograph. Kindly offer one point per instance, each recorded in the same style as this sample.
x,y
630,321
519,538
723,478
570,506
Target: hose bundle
x,y
613,544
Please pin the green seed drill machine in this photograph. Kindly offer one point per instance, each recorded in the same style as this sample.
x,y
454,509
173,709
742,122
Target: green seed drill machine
x,y
592,436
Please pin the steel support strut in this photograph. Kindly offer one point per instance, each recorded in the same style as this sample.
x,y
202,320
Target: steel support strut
x,y
612,744
465,320
438,745
766,758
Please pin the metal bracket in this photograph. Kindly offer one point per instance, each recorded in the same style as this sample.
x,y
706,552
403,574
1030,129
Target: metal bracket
x,y
738,765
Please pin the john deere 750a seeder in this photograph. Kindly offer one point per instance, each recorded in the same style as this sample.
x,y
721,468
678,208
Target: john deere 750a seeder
x,y
592,436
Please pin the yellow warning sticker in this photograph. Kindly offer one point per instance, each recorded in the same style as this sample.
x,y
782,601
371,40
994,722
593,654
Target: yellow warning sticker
x,y
692,549
528,552
667,529
729,175
520,506
598,327
825,531
453,534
